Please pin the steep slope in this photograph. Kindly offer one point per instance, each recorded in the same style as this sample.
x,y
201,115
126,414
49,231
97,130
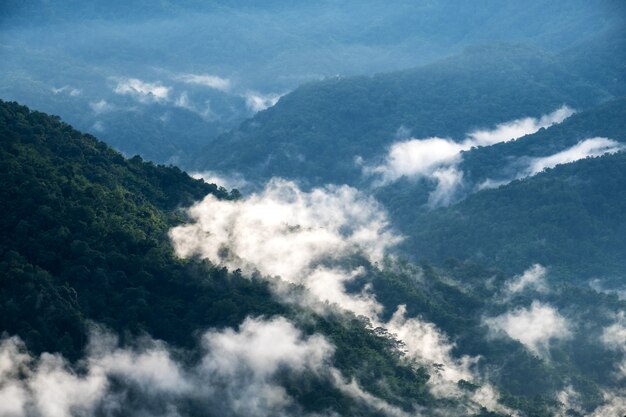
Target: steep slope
x,y
87,227
316,132
569,217
502,160
62,57
84,240
490,166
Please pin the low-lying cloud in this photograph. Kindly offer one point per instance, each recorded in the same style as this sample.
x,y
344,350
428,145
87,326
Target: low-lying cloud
x,y
587,148
285,231
205,112
101,106
437,158
142,91
614,337
418,157
518,128
227,181
256,102
98,126
311,239
206,80
533,278
238,374
66,89
535,327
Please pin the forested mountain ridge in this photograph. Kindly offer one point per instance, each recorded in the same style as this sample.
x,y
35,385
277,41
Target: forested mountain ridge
x,y
500,161
76,214
497,164
569,217
84,240
566,217
426,216
330,123
211,64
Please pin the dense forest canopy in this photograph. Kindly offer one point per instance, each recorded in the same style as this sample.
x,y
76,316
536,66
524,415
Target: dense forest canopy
x,y
85,242
407,209
211,64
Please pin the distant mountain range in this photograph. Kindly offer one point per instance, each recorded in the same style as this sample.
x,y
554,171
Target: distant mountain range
x,y
85,244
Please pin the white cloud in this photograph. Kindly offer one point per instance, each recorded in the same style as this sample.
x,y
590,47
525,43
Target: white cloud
x,y
426,343
599,286
240,365
264,346
534,277
430,347
13,360
515,129
184,102
227,181
98,126
210,81
257,102
614,337
353,389
587,148
569,401
418,157
235,373
284,231
448,181
58,392
142,91
437,158
614,405
591,147
73,92
102,106
152,369
535,327
302,237
490,183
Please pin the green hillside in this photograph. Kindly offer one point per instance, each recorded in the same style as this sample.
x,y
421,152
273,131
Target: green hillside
x,y
500,161
84,239
506,161
316,132
570,218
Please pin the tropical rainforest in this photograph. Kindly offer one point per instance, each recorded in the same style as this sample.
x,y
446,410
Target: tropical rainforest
x,y
312,209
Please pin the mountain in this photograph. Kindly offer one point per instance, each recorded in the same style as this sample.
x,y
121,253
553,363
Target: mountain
x,y
320,132
501,160
163,79
84,244
85,247
563,217
567,217
587,132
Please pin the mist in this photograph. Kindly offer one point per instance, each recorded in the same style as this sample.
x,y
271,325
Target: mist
x,y
241,57
239,374
437,159
311,239
390,99
536,327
